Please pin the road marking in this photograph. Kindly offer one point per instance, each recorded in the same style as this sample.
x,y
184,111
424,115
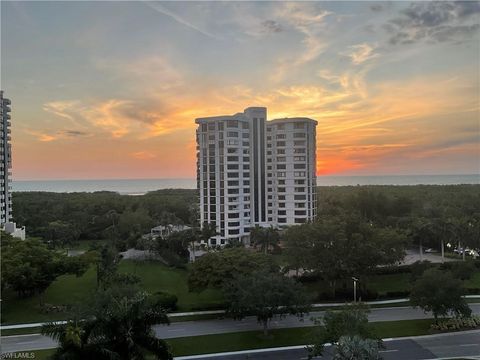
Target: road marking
x,y
393,350
172,330
469,344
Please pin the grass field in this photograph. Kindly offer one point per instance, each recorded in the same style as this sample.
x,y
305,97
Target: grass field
x,y
69,289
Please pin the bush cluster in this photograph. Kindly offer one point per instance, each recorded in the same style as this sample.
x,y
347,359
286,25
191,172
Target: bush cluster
x,y
455,324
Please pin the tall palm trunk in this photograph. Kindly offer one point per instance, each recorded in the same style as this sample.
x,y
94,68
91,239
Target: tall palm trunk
x,y
421,250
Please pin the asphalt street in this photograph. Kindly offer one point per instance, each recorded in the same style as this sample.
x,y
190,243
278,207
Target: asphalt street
x,y
220,326
464,344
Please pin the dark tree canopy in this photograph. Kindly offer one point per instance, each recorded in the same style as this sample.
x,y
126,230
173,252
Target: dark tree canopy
x,y
265,295
439,292
215,269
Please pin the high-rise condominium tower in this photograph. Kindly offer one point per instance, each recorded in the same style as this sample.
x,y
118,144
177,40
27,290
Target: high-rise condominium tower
x,y
255,172
5,162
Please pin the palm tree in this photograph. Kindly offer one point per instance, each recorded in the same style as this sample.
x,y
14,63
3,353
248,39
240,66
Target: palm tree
x,y
354,347
265,237
117,326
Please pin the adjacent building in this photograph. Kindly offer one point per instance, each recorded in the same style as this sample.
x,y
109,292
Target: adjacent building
x,y
5,171
251,171
5,162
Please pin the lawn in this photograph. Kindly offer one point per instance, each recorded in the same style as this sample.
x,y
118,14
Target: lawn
x,y
283,337
69,289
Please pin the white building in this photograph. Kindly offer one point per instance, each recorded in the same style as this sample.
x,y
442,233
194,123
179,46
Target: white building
x,y
5,172
253,172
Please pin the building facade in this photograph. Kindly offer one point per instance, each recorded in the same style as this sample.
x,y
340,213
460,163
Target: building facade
x,y
5,162
5,172
255,172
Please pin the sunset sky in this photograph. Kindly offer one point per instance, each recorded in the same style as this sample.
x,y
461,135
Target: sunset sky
x,y
111,89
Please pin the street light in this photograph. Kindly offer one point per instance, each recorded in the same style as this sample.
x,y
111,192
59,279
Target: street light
x,y
354,289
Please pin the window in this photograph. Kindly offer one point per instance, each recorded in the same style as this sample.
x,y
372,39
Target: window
x,y
300,197
232,134
299,126
280,151
245,135
232,167
233,175
281,158
281,182
281,174
282,220
281,166
245,125
299,205
300,212
281,190
299,182
281,127
232,124
211,126
245,143
232,183
232,191
231,150
281,136
299,173
232,158
280,143
281,197
299,143
299,135
232,142
299,189
220,126
299,151
300,220
282,212
299,158
299,166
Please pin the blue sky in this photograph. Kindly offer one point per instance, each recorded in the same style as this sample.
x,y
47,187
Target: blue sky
x,y
111,89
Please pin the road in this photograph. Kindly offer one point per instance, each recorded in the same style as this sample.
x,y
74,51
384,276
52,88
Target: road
x,y
464,344
221,326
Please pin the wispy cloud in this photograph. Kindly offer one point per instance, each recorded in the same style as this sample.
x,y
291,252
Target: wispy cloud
x,y
163,10
362,52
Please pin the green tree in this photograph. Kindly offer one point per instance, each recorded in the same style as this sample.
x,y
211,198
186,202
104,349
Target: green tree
x,y
439,292
29,267
215,269
265,295
337,249
265,237
107,265
116,325
350,321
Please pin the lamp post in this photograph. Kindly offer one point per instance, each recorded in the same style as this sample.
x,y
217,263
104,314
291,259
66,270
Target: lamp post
x,y
354,289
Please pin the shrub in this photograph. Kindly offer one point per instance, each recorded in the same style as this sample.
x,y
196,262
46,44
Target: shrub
x,y
166,300
455,324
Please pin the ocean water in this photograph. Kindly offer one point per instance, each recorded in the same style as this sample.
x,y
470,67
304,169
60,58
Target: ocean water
x,y
141,186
